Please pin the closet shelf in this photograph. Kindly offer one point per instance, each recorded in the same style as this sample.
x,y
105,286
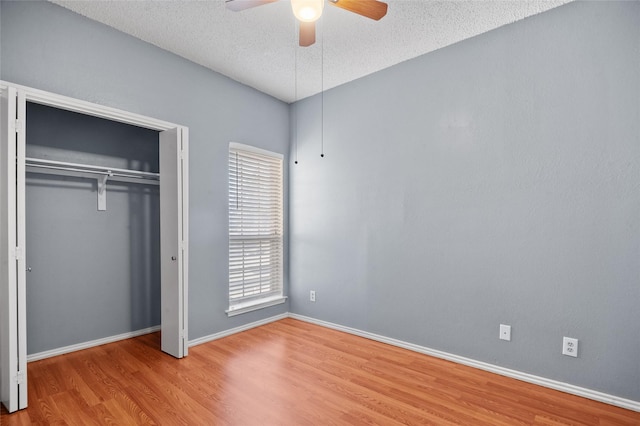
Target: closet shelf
x,y
100,173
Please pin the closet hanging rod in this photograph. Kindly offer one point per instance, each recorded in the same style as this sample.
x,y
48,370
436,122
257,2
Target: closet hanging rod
x,y
88,174
84,168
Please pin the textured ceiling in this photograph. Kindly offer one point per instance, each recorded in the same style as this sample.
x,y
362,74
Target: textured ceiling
x,y
258,47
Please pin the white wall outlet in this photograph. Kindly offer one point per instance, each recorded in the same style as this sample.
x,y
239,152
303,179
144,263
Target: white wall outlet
x,y
505,332
312,295
570,346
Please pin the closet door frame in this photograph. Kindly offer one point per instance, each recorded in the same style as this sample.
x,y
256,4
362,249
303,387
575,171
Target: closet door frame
x,y
16,300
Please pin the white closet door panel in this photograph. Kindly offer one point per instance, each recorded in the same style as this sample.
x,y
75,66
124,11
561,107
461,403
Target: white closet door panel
x,y
13,389
171,262
184,235
21,273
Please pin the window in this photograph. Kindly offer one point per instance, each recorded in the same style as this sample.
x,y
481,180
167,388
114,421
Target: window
x,y
255,229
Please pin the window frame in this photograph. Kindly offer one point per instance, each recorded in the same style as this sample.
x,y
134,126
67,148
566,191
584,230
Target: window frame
x,y
262,299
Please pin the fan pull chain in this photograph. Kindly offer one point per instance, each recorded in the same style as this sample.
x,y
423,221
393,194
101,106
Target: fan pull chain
x,y
295,98
322,90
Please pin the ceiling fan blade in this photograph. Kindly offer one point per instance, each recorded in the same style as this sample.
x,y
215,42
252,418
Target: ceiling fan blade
x,y
372,9
307,33
238,5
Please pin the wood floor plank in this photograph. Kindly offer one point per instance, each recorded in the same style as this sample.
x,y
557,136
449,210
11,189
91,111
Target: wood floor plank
x,y
42,411
71,408
112,413
288,373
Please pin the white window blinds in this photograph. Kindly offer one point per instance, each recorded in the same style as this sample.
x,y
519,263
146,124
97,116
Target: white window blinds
x,y
255,225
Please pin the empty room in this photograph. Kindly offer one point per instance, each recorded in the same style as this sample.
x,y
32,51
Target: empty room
x,y
313,212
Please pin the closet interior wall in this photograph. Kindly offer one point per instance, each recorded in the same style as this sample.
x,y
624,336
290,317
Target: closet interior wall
x,y
91,274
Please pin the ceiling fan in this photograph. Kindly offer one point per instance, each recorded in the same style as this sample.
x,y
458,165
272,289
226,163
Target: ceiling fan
x,y
307,12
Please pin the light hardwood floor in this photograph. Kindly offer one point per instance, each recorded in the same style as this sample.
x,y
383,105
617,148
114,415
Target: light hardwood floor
x,y
288,373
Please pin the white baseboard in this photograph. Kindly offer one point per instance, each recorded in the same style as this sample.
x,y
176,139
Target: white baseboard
x,y
91,344
235,330
111,339
514,374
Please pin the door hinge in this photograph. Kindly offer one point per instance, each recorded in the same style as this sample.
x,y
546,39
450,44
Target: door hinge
x,y
20,378
17,253
18,126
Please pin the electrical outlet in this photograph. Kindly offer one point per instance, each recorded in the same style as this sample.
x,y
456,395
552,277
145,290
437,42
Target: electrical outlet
x,y
570,346
312,295
505,332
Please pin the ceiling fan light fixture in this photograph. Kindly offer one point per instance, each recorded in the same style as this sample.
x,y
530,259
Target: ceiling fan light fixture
x,y
307,10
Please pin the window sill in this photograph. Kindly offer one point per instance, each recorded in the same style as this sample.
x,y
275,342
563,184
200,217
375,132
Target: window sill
x,y
255,305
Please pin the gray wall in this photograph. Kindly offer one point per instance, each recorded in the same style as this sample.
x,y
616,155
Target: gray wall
x,y
93,273
493,181
50,48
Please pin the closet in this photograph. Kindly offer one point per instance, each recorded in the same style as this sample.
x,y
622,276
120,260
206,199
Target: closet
x,y
93,230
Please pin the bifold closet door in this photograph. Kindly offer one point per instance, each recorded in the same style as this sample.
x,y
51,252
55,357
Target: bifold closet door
x,y
172,248
13,333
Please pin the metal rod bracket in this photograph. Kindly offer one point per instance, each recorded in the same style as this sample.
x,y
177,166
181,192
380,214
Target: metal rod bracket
x,y
102,192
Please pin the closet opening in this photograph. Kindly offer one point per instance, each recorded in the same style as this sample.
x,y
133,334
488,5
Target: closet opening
x,y
92,230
